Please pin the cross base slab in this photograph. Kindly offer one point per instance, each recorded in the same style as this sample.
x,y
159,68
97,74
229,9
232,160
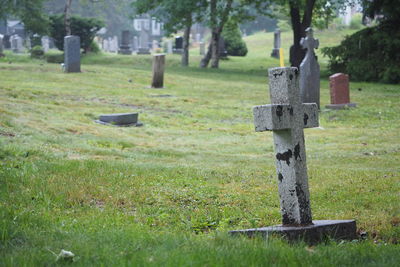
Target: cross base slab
x,y
341,106
317,232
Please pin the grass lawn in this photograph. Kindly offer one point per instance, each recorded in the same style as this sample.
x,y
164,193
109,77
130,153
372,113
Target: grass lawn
x,y
168,192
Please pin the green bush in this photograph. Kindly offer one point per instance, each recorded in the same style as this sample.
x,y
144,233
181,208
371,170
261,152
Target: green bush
x,y
356,22
55,58
94,47
284,25
85,28
37,52
368,55
234,44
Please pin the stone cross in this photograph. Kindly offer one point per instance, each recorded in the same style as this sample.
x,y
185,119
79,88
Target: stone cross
x,y
287,117
309,70
72,53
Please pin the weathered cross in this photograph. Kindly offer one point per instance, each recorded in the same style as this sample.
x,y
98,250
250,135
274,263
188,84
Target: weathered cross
x,y
287,117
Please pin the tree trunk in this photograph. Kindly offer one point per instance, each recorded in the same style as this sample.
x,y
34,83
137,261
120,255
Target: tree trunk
x,y
185,54
299,26
215,49
67,17
204,61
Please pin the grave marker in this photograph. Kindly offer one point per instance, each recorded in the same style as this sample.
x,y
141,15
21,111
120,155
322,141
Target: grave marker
x,y
202,48
125,47
72,53
178,45
277,43
340,93
144,43
287,117
1,45
158,71
309,70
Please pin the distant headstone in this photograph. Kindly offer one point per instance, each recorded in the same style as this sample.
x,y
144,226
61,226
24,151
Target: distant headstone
x,y
340,93
158,71
135,44
120,119
113,44
198,37
277,43
287,117
202,48
144,42
1,45
125,47
155,46
178,45
309,70
16,44
45,43
72,53
106,45
169,47
221,48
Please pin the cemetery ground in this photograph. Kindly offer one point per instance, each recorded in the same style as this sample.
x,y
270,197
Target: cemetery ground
x,y
167,193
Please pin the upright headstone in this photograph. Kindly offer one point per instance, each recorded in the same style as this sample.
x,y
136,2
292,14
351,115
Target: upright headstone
x,y
72,53
158,71
169,47
221,48
125,47
198,37
106,47
144,42
178,45
277,43
155,46
1,45
16,44
287,117
202,48
309,70
135,44
340,93
45,43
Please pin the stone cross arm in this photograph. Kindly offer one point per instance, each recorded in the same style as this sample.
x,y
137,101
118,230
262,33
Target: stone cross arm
x,y
281,116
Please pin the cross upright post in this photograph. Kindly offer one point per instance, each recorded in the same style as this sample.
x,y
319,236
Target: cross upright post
x,y
287,116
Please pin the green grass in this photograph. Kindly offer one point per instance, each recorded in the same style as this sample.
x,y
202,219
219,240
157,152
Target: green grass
x,y
168,192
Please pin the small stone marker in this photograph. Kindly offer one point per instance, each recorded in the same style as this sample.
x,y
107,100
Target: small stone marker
x,y
135,44
287,117
16,44
309,70
277,43
72,53
45,43
158,71
340,93
169,47
202,48
120,119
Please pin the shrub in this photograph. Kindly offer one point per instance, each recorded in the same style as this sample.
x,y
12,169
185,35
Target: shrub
x,y
94,47
85,28
234,44
356,22
368,55
284,25
37,52
55,58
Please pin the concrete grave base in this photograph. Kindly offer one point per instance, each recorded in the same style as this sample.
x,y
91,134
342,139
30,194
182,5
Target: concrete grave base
x,y
120,119
318,231
341,106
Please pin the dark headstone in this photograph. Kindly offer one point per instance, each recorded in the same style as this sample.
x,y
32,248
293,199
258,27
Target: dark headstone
x,y
178,45
158,71
72,53
125,48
